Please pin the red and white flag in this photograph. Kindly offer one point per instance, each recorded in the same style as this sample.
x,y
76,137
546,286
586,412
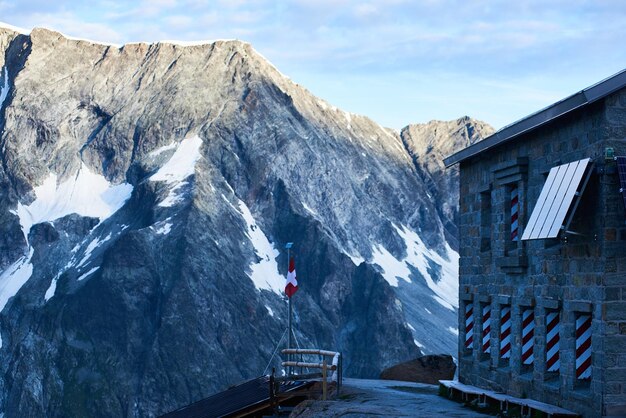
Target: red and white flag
x,y
292,283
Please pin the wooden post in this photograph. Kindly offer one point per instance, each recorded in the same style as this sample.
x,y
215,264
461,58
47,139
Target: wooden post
x,y
324,384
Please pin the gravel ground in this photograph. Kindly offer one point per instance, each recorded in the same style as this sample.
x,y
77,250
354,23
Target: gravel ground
x,y
384,398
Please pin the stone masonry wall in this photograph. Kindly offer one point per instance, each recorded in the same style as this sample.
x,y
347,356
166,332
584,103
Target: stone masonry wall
x,y
614,281
581,274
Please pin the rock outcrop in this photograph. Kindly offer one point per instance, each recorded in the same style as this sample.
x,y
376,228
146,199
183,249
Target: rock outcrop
x,y
426,369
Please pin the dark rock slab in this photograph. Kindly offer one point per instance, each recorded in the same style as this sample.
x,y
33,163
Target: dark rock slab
x,y
425,369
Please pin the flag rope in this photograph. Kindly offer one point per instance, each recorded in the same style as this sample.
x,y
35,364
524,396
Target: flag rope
x,y
275,350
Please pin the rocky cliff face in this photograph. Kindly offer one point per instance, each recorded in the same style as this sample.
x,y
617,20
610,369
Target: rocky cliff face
x,y
428,144
147,193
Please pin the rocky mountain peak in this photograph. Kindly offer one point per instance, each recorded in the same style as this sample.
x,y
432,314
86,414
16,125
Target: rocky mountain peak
x,y
439,139
149,190
428,144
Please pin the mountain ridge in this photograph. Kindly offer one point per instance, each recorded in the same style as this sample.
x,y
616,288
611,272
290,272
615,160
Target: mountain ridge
x,y
172,295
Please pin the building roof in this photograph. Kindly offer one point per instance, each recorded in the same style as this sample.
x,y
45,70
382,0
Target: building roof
x,y
510,132
250,395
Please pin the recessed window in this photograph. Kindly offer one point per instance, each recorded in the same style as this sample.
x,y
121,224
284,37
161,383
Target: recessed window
x,y
553,341
583,347
528,338
505,334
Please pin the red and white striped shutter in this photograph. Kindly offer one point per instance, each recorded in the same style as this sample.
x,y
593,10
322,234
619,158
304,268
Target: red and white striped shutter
x,y
505,332
469,325
486,329
514,214
528,336
583,347
553,362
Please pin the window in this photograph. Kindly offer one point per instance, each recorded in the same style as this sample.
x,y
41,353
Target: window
x,y
553,336
583,347
486,334
512,216
469,326
505,334
528,338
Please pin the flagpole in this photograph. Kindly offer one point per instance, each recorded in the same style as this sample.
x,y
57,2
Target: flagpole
x,y
290,340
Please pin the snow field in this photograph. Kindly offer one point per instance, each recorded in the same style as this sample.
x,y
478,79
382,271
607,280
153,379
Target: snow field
x,y
446,289
86,194
264,274
179,167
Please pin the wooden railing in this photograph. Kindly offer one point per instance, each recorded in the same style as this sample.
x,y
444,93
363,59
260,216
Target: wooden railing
x,y
335,365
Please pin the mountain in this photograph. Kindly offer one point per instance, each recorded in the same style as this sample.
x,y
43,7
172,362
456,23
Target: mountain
x,y
148,192
428,144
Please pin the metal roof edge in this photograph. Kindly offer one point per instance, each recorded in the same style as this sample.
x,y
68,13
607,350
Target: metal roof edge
x,y
534,120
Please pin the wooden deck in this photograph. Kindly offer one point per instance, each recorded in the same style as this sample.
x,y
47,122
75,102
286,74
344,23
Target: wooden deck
x,y
493,400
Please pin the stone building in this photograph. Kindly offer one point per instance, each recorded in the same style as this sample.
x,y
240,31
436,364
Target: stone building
x,y
543,255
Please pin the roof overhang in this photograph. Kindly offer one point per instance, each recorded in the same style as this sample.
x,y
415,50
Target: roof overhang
x,y
510,132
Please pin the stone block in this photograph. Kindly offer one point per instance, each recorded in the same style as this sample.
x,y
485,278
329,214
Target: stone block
x,y
577,306
503,299
614,280
621,360
611,328
548,303
613,388
615,406
615,311
610,234
483,298
614,344
528,301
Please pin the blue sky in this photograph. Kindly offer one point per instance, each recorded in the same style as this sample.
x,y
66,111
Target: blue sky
x,y
396,61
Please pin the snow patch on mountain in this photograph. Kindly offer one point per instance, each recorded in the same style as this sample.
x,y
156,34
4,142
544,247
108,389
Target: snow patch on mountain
x,y
180,166
13,278
392,267
309,209
86,194
356,259
264,273
89,273
161,150
53,287
4,90
164,229
95,243
419,256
